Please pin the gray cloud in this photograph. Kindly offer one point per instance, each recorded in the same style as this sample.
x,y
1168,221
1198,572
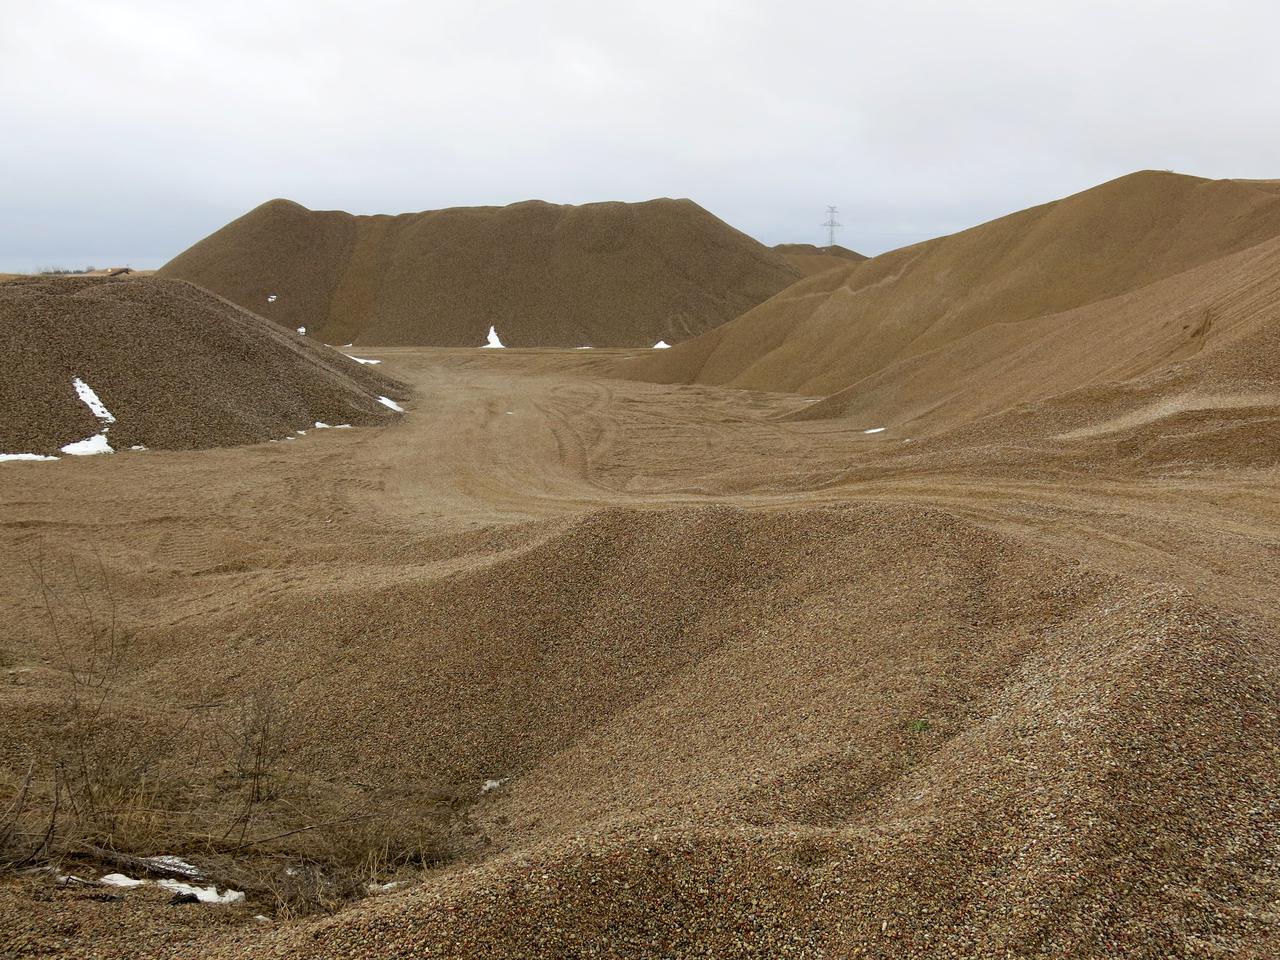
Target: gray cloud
x,y
131,129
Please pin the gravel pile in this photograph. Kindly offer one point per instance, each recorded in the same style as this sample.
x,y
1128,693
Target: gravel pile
x,y
600,274
1053,298
875,731
810,259
175,366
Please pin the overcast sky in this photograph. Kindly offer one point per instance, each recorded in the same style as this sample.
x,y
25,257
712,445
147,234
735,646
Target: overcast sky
x,y
128,130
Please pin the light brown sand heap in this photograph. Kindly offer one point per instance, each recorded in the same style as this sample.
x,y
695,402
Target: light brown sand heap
x,y
600,274
171,365
1125,280
810,259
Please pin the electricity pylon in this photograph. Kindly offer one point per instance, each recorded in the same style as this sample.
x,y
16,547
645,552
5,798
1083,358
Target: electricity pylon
x,y
831,225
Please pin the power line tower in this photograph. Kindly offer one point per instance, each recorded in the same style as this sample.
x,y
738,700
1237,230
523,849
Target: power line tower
x,y
831,224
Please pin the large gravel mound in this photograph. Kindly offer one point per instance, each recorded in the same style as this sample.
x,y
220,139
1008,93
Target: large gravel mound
x,y
754,734
1145,276
175,366
810,259
600,274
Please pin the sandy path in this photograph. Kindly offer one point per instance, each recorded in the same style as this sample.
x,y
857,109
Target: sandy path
x,y
531,435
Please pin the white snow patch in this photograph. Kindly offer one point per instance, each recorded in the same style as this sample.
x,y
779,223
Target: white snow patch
x,y
87,447
90,399
120,880
303,331
490,785
25,456
291,438
137,446
361,359
176,864
271,299
388,402
582,348
321,426
662,345
346,345
494,343
385,887
207,894
876,430
342,426
302,433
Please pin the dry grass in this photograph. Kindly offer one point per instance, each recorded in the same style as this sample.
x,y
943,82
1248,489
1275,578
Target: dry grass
x,y
109,785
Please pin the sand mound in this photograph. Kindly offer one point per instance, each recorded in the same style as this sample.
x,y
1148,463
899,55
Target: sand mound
x,y
600,274
810,259
1064,296
164,365
704,738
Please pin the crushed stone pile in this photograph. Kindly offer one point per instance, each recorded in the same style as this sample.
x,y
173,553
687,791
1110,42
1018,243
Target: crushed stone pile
x,y
810,259
599,274
1155,284
126,362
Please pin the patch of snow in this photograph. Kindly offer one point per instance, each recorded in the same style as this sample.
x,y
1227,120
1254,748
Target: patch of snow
x,y
908,440
876,430
176,864
271,299
291,438
321,426
262,917
120,880
302,433
490,785
494,343
582,348
662,345
361,359
207,894
388,402
84,448
342,426
384,887
137,446
303,331
25,456
345,345
90,400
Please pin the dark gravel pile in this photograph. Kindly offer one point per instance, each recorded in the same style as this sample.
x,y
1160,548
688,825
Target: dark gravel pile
x,y
179,368
599,274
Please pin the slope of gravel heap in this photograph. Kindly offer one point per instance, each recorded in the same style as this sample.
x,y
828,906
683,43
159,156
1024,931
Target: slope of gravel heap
x,y
810,259
873,731
178,368
921,313
599,274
